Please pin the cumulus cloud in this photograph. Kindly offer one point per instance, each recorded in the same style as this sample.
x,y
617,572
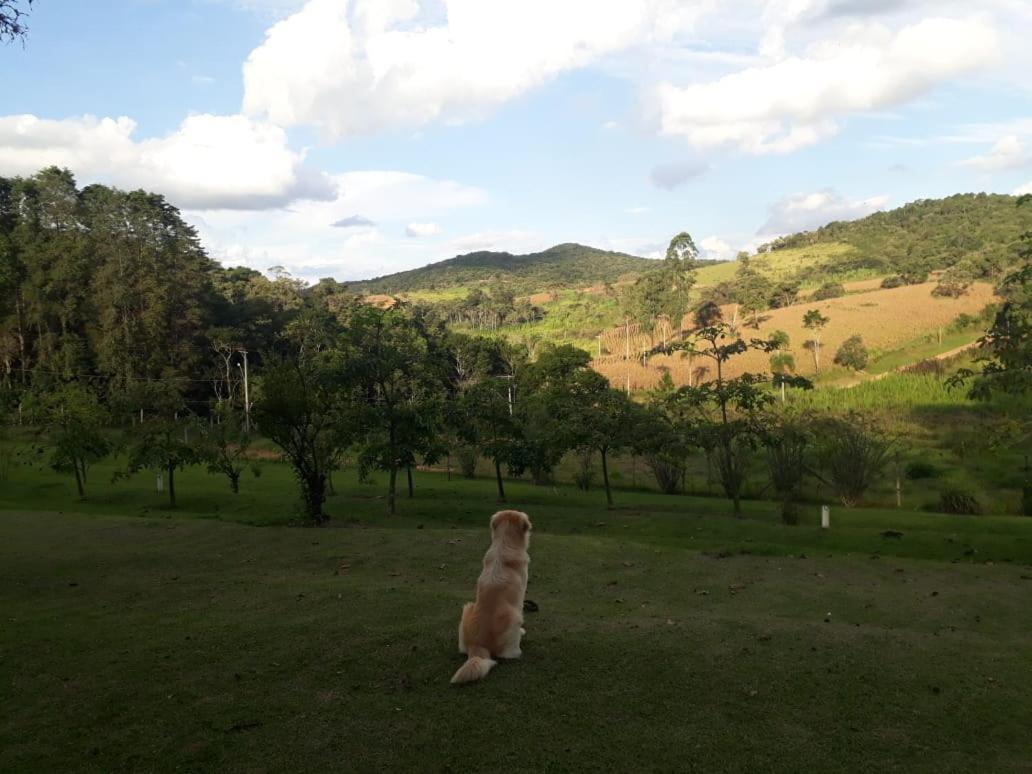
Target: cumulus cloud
x,y
511,241
1021,190
797,100
415,230
806,211
298,238
209,162
715,247
381,64
1007,153
676,173
353,221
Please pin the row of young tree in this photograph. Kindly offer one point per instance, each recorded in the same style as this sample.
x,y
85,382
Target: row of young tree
x,y
393,388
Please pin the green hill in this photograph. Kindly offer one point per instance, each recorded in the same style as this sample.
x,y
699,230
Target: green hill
x,y
979,231
566,265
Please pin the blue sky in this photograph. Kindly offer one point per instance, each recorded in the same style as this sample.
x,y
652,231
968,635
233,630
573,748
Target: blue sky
x,y
426,128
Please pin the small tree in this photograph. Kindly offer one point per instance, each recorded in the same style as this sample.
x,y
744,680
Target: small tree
x,y
786,441
814,321
487,424
401,369
829,290
954,282
163,445
664,435
601,419
852,354
74,423
224,444
852,451
728,412
306,409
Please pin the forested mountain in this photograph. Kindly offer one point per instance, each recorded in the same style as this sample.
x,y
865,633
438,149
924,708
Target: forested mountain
x,y
567,265
980,233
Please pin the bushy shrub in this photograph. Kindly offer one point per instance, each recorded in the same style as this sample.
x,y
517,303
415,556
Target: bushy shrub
x,y
852,354
959,501
895,281
852,451
667,472
918,469
829,290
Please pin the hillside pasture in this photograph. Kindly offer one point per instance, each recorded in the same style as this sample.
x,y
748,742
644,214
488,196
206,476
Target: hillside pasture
x,y
886,319
779,264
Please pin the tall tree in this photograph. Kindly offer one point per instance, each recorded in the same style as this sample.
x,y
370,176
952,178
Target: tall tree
x,y
814,321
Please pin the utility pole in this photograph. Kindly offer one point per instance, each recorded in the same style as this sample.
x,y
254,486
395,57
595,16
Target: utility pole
x,y
247,394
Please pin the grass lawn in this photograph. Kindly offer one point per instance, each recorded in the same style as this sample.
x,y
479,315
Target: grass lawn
x,y
670,636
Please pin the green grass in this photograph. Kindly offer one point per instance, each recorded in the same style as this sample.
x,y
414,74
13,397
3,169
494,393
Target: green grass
x,y
159,644
781,263
921,349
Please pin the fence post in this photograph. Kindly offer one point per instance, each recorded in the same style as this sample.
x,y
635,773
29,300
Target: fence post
x,y
825,516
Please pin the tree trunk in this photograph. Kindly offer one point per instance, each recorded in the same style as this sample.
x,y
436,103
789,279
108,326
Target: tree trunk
x,y
78,479
498,478
408,473
313,488
172,485
605,479
234,482
392,483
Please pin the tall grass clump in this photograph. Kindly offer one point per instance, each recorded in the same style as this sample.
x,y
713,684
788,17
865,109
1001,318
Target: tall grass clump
x,y
895,391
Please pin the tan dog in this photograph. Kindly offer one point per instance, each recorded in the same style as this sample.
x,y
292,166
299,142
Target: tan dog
x,y
492,626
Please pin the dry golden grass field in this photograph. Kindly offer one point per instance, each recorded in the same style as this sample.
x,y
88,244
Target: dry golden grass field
x,y
886,319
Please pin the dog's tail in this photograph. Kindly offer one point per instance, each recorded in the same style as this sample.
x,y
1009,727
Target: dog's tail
x,y
476,667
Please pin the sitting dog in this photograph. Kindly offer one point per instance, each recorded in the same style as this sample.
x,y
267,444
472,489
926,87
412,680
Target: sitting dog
x,y
492,626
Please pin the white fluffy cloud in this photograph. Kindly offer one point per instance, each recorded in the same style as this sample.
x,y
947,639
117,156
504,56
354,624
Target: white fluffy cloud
x,y
1007,153
514,241
802,212
415,230
715,247
354,68
226,162
1021,190
327,238
795,101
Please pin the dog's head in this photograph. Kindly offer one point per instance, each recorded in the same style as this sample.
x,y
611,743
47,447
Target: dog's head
x,y
512,526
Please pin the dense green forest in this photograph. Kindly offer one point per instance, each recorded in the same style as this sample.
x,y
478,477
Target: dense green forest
x,y
978,234
114,285
566,265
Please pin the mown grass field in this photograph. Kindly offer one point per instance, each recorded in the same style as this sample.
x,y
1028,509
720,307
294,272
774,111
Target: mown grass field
x,y
670,636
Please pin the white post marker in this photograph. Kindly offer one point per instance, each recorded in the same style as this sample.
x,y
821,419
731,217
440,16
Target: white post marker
x,y
825,516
